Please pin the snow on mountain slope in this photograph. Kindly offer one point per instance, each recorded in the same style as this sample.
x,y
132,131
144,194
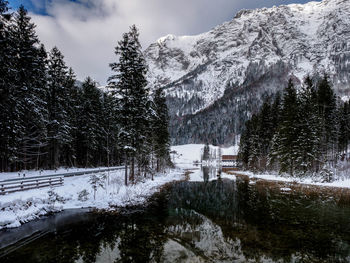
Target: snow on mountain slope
x,y
299,39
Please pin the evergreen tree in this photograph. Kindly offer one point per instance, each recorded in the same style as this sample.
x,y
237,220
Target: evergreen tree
x,y
74,102
30,85
3,7
344,129
91,117
245,144
7,99
160,130
309,132
284,146
206,152
129,87
58,125
109,129
327,106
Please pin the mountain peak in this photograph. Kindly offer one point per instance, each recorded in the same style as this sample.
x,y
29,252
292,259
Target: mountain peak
x,y
287,40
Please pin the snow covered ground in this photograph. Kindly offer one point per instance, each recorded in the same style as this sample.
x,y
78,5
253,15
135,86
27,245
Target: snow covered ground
x,y
189,153
109,191
78,192
342,181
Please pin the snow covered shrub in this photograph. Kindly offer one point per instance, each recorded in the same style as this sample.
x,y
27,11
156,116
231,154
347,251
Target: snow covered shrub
x,y
97,182
54,197
327,175
83,195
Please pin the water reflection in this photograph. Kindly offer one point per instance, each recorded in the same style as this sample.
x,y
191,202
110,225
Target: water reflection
x,y
215,221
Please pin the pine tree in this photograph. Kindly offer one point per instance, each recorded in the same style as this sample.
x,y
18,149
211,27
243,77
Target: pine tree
x,y
91,118
284,146
206,152
327,106
344,129
3,7
30,85
58,125
7,99
245,144
160,130
129,87
74,102
309,132
109,129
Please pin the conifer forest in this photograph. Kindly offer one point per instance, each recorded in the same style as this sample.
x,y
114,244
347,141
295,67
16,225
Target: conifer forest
x,y
301,132
49,119
136,131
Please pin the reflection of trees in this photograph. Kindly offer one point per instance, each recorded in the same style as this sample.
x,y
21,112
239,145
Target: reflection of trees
x,y
270,223
139,238
143,235
265,221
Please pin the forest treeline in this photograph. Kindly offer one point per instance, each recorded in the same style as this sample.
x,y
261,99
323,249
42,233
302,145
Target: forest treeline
x,y
303,132
48,119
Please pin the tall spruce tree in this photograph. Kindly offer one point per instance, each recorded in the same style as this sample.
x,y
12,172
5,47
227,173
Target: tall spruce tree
x,y
344,129
160,130
109,129
73,107
7,99
30,85
309,132
327,106
245,144
129,87
91,118
284,146
58,125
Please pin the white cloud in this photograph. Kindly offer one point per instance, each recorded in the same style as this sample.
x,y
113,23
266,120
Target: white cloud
x,y
87,31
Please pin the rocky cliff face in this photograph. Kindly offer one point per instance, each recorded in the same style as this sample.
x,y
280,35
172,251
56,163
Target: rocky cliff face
x,y
214,80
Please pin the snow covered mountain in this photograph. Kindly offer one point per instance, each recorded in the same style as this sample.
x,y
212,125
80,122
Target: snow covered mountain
x,y
222,73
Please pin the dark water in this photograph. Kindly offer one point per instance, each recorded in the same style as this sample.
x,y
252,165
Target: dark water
x,y
217,221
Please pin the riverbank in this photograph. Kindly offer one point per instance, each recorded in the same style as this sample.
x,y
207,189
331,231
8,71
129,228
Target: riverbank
x,y
340,182
101,191
338,191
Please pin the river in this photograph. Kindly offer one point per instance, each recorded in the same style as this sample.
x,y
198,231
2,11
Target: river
x,y
210,221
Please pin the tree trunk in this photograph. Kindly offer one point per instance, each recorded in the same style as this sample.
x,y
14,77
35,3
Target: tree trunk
x,y
132,172
126,169
158,165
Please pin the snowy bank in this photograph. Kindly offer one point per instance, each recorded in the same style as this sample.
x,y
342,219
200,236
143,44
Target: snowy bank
x,y
101,191
342,182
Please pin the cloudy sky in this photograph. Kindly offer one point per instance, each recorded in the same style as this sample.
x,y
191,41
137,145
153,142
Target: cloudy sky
x,y
86,31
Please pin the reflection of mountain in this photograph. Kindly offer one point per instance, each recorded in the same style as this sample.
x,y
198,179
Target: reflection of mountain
x,y
268,223
216,221
199,240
